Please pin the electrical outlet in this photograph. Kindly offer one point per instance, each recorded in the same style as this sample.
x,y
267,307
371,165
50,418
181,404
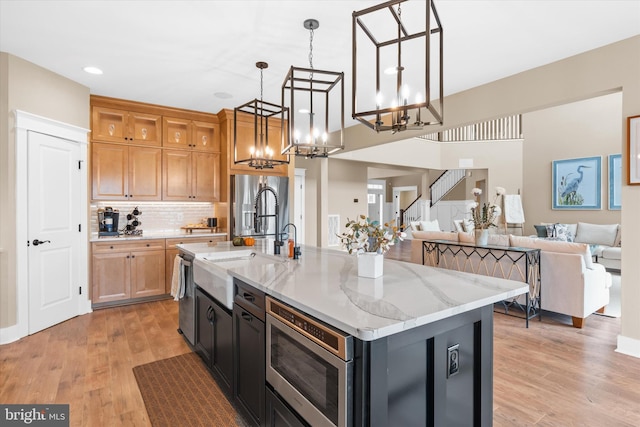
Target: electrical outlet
x,y
453,360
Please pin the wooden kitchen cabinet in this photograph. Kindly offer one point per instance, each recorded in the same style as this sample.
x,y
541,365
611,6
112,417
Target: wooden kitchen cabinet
x,y
190,176
190,134
125,127
172,251
127,270
214,337
121,172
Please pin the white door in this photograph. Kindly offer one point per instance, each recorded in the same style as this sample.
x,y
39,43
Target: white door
x,y
53,229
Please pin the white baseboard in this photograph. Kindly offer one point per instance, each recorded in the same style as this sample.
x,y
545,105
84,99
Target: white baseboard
x,y
9,334
628,346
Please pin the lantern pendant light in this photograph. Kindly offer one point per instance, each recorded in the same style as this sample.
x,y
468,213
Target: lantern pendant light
x,y
252,122
309,94
397,66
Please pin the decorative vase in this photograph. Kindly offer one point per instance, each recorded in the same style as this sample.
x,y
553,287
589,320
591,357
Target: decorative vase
x,y
482,236
370,264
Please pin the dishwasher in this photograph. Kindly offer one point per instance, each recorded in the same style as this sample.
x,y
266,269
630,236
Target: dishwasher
x,y
187,303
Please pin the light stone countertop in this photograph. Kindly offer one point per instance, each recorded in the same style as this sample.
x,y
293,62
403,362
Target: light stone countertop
x,y
324,283
155,234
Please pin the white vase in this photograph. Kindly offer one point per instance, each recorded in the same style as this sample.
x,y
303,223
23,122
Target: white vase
x,y
482,236
370,264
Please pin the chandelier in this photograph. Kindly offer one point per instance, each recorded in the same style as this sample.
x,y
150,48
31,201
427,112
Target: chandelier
x,y
397,66
309,94
253,122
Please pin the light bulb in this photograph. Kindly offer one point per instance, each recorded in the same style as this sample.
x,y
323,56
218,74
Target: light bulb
x,y
325,137
405,94
308,139
296,135
379,99
418,98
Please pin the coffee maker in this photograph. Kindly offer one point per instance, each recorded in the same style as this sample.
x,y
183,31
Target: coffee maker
x,y
108,221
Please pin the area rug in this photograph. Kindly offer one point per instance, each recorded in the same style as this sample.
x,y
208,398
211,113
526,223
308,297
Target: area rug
x,y
180,391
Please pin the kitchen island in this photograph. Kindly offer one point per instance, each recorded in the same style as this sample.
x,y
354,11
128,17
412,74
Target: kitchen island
x,y
405,327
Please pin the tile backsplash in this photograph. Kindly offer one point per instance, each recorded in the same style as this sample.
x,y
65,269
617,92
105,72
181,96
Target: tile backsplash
x,y
157,216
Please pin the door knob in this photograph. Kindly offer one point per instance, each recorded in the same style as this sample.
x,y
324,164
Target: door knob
x,y
37,242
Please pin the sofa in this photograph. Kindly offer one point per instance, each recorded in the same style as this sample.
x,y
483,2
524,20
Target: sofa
x,y
570,282
604,240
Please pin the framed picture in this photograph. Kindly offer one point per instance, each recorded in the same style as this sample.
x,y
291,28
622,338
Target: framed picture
x,y
615,182
633,134
576,183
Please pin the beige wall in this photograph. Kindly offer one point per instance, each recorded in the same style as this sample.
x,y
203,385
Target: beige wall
x,y
347,182
579,129
35,90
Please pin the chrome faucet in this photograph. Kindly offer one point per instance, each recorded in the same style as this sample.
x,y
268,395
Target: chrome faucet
x,y
277,243
296,248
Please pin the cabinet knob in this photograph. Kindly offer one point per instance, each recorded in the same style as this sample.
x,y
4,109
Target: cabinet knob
x,y
148,245
248,297
246,316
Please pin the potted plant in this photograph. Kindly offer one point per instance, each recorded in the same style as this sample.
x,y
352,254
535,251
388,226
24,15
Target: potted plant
x,y
370,240
484,216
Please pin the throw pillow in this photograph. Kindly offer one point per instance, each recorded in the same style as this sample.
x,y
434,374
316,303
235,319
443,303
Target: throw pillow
x,y
559,232
429,225
415,225
457,223
541,230
618,241
601,234
467,225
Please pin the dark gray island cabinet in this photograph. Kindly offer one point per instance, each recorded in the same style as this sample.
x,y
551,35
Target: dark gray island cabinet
x,y
213,340
412,348
438,374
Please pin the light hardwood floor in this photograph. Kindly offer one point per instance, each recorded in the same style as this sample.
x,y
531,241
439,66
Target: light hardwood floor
x,y
548,375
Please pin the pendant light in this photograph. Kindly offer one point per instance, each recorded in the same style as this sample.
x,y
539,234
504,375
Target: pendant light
x,y
309,94
397,66
253,122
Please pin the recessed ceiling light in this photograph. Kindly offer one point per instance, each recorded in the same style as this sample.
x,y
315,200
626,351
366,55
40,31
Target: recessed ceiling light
x,y
223,95
93,70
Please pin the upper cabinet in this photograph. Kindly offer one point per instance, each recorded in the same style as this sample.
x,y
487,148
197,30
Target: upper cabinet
x,y
190,134
150,152
119,172
127,127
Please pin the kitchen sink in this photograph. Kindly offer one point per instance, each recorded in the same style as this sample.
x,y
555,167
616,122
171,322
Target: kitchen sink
x,y
210,271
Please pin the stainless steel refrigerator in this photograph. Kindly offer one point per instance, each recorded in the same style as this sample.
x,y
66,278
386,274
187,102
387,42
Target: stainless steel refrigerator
x,y
256,218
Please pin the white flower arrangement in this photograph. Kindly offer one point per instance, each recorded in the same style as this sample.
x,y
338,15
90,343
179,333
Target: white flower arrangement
x,y
365,235
485,216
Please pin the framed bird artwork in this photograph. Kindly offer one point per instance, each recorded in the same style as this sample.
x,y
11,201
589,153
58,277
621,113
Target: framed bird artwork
x,y
577,183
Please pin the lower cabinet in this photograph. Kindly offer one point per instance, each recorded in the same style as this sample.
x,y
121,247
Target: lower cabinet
x,y
249,366
214,339
127,270
278,414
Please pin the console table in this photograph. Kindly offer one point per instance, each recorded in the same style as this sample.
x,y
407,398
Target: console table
x,y
514,263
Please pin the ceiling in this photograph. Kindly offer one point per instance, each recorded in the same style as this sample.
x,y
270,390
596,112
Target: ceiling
x,y
186,53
